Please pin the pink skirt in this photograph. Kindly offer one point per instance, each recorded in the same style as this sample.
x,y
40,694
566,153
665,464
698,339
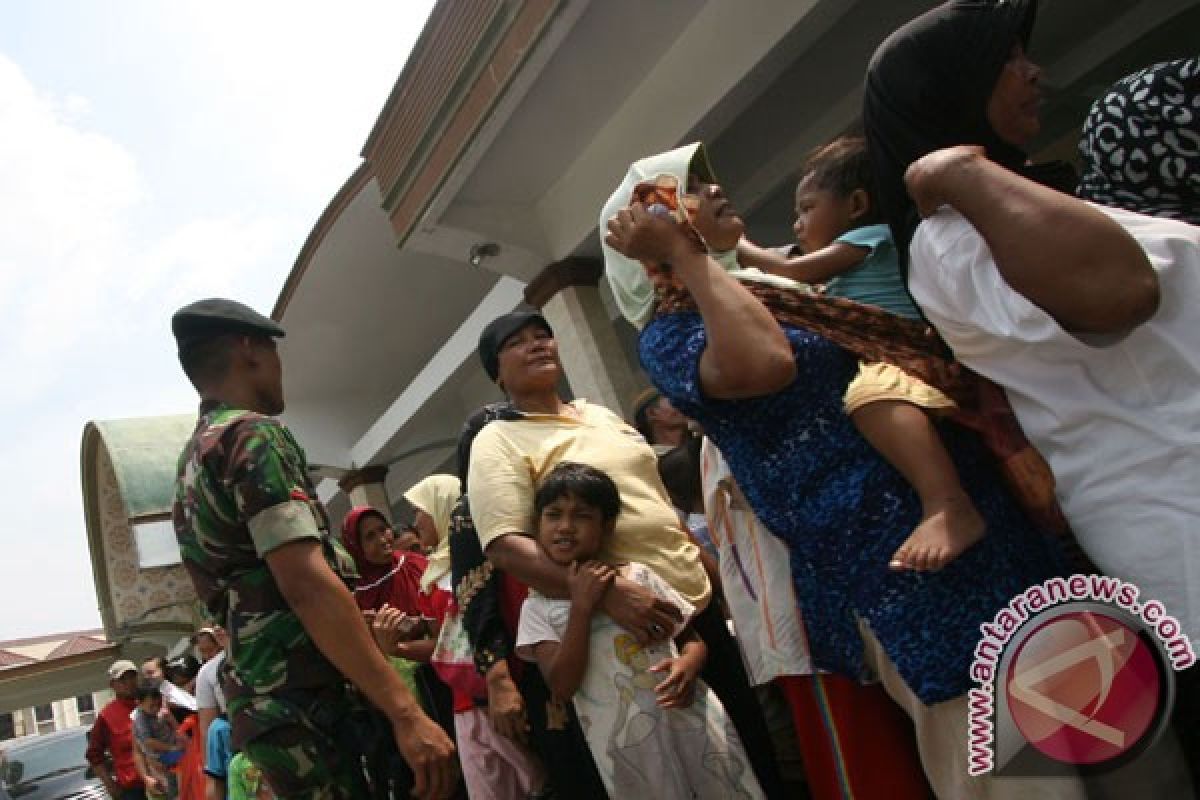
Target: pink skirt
x,y
493,766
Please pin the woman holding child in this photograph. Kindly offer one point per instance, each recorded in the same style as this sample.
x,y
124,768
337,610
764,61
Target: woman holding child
x,y
770,395
510,457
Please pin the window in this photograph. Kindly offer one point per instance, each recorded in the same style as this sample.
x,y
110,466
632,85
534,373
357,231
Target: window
x,y
156,544
86,707
8,726
44,717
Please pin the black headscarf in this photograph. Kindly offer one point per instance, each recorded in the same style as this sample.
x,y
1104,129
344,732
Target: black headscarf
x,y
1141,143
471,428
928,87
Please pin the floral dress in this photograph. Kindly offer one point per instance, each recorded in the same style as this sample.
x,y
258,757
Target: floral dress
x,y
816,483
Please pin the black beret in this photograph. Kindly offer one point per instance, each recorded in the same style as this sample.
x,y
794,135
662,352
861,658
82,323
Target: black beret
x,y
498,331
216,316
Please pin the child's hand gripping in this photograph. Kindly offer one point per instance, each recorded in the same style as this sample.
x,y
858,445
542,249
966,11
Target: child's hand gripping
x,y
587,584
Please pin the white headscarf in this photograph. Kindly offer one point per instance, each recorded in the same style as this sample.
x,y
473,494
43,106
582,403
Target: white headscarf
x,y
436,496
631,287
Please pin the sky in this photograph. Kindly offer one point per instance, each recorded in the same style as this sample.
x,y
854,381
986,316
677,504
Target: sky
x,y
151,154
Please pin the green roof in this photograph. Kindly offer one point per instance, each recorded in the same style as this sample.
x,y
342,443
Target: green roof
x,y
144,453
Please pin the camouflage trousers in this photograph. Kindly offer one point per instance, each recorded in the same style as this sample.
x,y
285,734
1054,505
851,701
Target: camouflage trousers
x,y
323,745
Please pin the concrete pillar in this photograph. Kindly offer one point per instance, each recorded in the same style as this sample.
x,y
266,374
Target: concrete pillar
x,y
365,487
567,294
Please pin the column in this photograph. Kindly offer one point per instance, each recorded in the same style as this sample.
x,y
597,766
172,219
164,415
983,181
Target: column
x,y
365,487
592,356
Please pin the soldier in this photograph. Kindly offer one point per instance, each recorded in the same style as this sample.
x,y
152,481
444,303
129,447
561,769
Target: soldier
x,y
256,543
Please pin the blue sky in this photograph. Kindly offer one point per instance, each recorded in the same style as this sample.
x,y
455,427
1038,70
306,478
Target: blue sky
x,y
151,153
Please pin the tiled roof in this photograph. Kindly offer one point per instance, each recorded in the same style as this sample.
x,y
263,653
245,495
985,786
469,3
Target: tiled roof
x,y
94,633
8,659
41,649
76,645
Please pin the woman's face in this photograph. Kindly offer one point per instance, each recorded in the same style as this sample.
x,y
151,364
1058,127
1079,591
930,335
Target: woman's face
x,y
376,539
426,531
528,360
713,216
1014,109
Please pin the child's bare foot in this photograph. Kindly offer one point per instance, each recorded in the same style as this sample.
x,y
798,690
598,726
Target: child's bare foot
x,y
947,531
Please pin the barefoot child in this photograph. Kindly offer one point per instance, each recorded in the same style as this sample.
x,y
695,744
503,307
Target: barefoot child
x,y
850,251
654,729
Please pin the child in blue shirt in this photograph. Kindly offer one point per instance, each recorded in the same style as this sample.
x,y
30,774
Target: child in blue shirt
x,y
848,249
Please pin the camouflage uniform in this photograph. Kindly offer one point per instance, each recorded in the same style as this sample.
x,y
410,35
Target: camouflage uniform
x,y
242,490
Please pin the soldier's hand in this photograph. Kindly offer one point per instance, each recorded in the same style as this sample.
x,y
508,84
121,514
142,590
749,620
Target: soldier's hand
x,y
429,753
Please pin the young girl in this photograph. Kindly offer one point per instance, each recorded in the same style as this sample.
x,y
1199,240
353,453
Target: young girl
x,y
849,249
654,729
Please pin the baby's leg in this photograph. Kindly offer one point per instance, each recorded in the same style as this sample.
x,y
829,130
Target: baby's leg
x,y
904,435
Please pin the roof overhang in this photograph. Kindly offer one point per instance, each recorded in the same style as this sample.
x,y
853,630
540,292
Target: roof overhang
x,y
511,123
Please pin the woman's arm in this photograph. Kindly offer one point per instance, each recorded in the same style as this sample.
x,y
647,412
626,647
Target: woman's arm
x,y
1072,261
747,354
506,706
420,650
635,608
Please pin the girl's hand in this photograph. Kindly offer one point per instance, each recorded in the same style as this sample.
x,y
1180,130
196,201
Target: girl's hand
x,y
640,235
587,584
678,689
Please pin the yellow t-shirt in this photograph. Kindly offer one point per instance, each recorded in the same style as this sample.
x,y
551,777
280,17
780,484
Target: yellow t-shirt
x,y
510,457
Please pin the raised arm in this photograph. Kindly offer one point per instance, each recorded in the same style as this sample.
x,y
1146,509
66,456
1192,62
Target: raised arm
x,y
1072,261
816,267
747,354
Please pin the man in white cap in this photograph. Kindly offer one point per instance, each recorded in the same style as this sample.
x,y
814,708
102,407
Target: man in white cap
x,y
112,736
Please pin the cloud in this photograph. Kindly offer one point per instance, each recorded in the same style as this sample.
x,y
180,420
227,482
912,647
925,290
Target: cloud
x,y
149,157
86,292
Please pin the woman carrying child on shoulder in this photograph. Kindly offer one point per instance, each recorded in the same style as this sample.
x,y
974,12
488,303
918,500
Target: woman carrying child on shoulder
x,y
769,392
655,730
848,248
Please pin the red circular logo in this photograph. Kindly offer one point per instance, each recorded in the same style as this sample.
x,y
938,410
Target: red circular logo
x,y
1083,688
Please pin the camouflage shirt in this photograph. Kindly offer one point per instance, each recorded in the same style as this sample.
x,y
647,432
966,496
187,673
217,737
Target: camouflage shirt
x,y
242,490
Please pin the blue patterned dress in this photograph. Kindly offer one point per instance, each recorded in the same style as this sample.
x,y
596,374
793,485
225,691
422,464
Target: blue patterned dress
x,y
843,510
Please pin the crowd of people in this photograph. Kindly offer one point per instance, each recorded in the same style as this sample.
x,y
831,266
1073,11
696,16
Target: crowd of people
x,y
963,380
165,734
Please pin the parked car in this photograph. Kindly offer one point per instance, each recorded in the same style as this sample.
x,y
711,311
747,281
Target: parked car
x,y
48,767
